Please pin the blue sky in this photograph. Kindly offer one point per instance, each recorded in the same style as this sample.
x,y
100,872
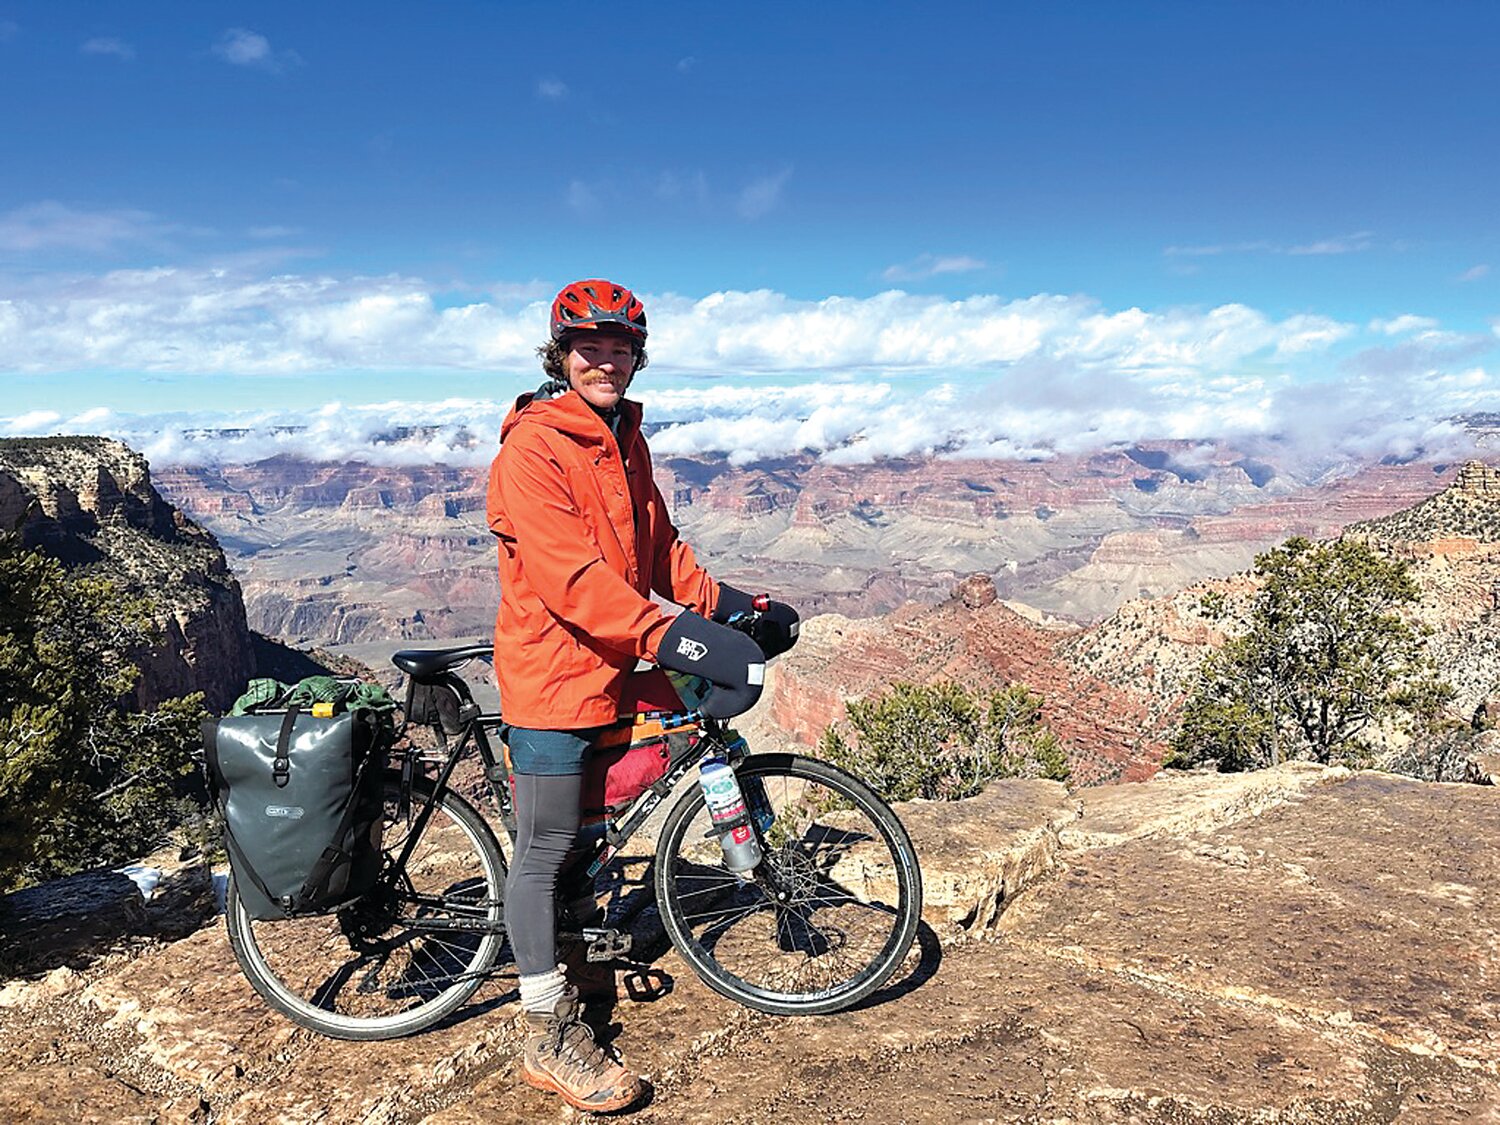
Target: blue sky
x,y
219,207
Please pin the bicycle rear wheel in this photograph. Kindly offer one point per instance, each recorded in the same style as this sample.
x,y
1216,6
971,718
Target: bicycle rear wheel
x,y
400,958
831,911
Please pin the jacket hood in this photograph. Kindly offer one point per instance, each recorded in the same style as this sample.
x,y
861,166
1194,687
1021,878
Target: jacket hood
x,y
569,414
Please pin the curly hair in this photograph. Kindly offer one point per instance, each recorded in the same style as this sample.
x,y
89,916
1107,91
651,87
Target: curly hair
x,y
554,356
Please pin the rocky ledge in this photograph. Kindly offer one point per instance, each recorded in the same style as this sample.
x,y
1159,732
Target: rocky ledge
x,y
1299,945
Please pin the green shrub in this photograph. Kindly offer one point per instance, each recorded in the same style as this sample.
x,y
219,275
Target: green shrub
x,y
943,742
85,780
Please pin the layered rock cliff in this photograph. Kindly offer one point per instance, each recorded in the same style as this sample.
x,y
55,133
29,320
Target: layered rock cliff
x,y
1106,729
361,553
89,502
1112,690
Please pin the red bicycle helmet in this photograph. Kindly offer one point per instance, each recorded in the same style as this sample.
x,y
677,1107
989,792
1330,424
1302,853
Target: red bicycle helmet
x,y
595,304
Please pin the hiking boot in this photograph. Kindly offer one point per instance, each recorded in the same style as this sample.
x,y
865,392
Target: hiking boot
x,y
562,1057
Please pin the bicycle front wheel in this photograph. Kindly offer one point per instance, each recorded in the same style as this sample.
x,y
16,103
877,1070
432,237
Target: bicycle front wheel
x,y
402,957
828,915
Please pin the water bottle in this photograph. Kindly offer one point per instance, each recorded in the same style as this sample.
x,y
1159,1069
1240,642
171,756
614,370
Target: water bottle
x,y
725,805
751,788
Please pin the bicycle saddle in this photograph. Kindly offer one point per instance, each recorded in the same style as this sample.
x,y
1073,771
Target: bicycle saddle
x,y
422,662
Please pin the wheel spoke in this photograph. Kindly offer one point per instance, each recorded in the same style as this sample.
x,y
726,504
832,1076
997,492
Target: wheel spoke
x,y
401,957
837,895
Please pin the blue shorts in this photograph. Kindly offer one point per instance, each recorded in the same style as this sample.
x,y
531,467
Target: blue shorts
x,y
553,753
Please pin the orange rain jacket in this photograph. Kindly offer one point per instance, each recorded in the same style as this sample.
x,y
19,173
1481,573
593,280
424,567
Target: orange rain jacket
x,y
584,539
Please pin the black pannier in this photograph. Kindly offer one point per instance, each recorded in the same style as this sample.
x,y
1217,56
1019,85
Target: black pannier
x,y
301,797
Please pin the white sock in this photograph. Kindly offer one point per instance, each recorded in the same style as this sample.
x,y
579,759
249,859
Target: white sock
x,y
540,992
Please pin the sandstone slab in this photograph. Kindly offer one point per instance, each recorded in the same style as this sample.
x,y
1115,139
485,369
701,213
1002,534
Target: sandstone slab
x,y
1372,906
1318,950
976,855
1177,804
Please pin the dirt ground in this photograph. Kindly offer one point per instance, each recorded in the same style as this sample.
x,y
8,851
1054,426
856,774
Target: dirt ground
x,y
1298,946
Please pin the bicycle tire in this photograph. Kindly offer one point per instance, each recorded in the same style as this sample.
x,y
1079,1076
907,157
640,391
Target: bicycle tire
x,y
394,978
846,865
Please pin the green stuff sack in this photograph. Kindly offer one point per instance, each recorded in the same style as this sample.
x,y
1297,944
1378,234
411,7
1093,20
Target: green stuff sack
x,y
301,796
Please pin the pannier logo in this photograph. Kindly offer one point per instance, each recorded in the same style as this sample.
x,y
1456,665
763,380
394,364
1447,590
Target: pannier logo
x,y
288,812
693,650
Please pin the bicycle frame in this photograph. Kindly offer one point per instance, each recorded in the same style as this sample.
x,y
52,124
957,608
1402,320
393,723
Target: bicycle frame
x,y
475,725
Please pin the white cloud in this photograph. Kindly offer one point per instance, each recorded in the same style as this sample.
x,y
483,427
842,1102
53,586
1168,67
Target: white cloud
x,y
932,265
1347,244
228,320
1474,273
33,422
106,46
262,234
1401,325
1343,244
761,195
1031,411
756,374
551,89
50,225
242,47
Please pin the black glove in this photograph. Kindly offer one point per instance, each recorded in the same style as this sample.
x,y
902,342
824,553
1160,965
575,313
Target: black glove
x,y
775,632
725,657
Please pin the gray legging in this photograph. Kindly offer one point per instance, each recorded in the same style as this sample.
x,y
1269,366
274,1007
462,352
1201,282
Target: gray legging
x,y
546,828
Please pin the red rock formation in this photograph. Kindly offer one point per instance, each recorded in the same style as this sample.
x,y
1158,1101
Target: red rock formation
x,y
1107,729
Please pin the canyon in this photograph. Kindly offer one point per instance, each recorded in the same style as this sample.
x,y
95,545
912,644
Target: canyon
x,y
357,553
1083,578
1303,944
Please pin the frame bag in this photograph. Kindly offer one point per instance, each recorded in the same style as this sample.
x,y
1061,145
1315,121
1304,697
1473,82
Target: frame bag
x,y
301,798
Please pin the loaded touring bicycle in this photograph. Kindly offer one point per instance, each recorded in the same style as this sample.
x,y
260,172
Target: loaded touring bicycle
x,y
822,917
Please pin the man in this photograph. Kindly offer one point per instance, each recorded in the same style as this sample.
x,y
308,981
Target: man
x,y
585,539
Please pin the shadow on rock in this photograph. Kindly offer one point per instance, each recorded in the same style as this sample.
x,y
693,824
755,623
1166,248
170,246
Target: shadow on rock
x,y
930,950
76,920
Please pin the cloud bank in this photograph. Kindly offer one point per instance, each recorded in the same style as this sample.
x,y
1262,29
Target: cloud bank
x,y
756,374
1029,413
219,321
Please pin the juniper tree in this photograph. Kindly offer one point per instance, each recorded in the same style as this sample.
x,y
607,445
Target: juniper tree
x,y
1325,660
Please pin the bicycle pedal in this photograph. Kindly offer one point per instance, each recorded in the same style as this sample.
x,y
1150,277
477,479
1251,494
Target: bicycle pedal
x,y
606,945
645,983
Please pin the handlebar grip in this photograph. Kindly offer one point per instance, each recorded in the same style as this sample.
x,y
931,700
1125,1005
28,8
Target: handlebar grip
x,y
724,656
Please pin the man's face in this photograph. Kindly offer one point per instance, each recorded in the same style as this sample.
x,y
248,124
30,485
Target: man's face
x,y
600,365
